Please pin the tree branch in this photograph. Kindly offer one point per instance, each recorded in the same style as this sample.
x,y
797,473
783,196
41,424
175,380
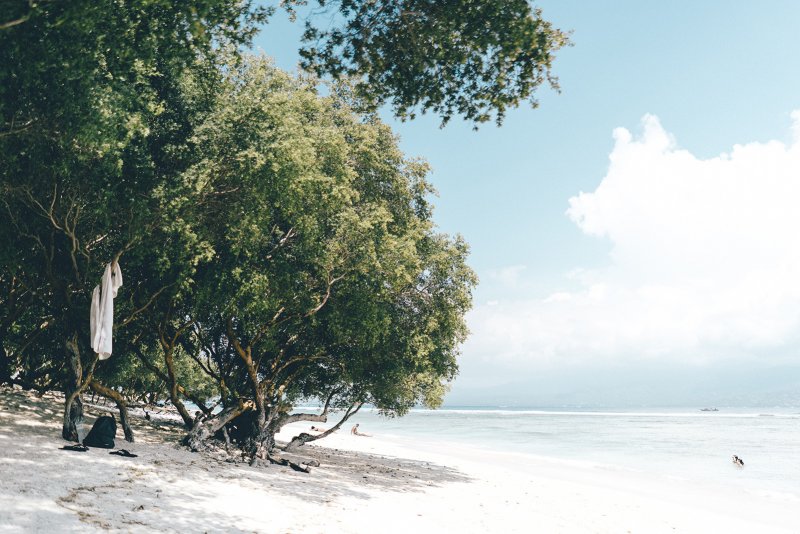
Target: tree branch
x,y
304,437
160,374
121,405
15,22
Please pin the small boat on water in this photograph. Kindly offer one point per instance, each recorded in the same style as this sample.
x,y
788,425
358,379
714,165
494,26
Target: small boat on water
x,y
709,410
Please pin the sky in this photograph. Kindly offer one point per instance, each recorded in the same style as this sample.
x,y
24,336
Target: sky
x,y
636,236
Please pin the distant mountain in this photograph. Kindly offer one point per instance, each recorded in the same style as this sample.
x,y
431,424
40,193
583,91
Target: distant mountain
x,y
641,387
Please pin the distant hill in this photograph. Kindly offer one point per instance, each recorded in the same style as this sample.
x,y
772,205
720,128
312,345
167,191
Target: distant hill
x,y
640,387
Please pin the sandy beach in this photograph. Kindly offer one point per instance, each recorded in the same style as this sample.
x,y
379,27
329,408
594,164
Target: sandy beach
x,y
363,484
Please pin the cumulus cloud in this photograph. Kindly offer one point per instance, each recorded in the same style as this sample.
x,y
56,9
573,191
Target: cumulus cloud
x,y
705,262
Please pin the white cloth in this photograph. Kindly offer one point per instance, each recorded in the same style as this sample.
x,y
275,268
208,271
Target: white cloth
x,y
101,315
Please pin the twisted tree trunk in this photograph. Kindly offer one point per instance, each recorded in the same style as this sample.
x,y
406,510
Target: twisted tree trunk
x,y
75,385
119,400
188,420
259,439
153,397
196,438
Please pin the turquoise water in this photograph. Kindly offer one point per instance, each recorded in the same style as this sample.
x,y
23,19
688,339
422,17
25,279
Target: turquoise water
x,y
690,445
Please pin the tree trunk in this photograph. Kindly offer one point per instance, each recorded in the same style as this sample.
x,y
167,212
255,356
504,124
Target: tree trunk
x,y
260,440
75,385
188,420
73,406
121,405
153,397
296,417
5,367
205,429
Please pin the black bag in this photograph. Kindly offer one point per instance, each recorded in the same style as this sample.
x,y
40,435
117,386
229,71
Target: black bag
x,y
102,433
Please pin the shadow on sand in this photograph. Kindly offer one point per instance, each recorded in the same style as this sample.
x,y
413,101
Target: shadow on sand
x,y
168,488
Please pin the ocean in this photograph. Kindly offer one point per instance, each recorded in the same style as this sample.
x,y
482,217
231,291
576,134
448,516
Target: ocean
x,y
691,445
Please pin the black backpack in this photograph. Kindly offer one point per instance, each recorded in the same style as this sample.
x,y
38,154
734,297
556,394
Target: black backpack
x,y
102,433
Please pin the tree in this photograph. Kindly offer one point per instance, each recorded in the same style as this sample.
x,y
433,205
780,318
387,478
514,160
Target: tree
x,y
114,144
473,58
89,123
327,280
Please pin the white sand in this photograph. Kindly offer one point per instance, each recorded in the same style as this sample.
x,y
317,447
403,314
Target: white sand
x,y
366,485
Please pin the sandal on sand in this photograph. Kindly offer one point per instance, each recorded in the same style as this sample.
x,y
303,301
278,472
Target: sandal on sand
x,y
76,448
124,452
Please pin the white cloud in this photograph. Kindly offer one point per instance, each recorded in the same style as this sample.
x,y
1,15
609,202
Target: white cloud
x,y
705,262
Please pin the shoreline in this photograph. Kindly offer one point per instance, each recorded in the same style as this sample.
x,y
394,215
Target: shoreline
x,y
364,484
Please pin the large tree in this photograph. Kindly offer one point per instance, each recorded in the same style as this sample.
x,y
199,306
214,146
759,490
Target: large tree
x,y
469,58
91,130
327,280
107,111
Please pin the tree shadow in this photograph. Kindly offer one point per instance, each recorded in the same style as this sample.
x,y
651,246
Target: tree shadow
x,y
341,468
168,488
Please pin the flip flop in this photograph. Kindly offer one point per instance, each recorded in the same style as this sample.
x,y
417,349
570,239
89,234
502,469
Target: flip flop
x,y
124,452
76,448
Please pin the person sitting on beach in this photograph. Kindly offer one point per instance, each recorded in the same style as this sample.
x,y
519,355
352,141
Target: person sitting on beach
x,y
738,462
355,431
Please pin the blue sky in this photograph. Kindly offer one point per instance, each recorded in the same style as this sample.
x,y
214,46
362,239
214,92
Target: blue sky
x,y
710,76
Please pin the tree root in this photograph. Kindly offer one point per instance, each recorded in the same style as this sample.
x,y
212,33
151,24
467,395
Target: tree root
x,y
285,462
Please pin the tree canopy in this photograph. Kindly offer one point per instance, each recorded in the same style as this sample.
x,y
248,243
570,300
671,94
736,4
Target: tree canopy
x,y
469,58
277,245
291,255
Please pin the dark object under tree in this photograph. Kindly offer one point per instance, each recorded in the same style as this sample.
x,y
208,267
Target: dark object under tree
x,y
102,433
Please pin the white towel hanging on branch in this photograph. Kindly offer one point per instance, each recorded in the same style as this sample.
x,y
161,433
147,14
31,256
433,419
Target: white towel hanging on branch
x,y
101,316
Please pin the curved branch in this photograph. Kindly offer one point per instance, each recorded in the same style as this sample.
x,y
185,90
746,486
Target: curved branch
x,y
121,405
160,374
15,22
304,437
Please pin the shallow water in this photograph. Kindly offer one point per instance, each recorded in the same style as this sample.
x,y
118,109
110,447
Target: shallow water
x,y
690,445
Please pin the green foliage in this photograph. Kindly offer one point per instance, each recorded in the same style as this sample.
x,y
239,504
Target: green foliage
x,y
474,58
66,62
276,244
252,212
325,263
84,70
90,123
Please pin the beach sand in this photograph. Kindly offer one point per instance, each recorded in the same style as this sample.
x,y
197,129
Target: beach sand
x,y
364,484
